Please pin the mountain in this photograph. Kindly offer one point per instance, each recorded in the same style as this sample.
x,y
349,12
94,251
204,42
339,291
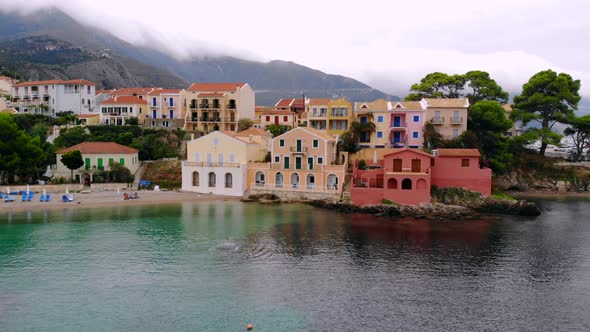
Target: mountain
x,y
27,46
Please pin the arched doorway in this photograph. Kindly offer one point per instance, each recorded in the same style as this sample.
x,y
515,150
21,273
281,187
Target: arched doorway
x,y
406,184
86,179
332,182
260,178
195,179
421,184
229,180
279,180
295,180
392,183
310,181
212,179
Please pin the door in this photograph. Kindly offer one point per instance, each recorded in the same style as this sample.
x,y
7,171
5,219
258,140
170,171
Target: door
x,y
277,120
154,114
298,145
297,162
310,162
397,165
397,121
287,162
397,137
416,165
171,114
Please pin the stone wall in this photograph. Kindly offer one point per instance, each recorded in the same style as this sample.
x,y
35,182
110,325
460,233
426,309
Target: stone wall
x,y
61,188
294,195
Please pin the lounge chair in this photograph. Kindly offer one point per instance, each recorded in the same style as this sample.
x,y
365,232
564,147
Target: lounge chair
x,y
9,198
42,198
47,198
71,198
64,198
1,195
24,197
30,197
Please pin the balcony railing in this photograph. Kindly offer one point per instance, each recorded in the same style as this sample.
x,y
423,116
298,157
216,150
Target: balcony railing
x,y
295,149
214,119
209,164
204,106
456,120
301,187
231,106
230,119
437,120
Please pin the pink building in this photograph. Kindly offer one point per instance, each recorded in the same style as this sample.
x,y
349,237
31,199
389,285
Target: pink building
x,y
407,124
404,176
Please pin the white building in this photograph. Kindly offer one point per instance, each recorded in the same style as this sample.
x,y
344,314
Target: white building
x,y
55,96
217,162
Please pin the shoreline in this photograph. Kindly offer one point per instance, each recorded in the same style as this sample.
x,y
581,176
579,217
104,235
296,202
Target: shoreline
x,y
108,199
548,194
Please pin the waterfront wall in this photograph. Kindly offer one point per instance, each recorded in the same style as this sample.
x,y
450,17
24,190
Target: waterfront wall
x,y
295,195
61,188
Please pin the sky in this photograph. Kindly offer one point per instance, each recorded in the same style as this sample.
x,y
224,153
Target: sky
x,y
387,44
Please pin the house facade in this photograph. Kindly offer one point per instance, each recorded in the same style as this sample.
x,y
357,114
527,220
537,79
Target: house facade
x,y
406,124
449,116
316,110
339,116
54,96
217,162
278,117
302,160
118,109
97,156
404,176
165,109
218,106
377,112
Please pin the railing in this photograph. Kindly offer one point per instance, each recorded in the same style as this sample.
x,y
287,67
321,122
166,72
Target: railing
x,y
400,125
203,119
231,107
302,149
300,187
230,119
209,164
203,105
456,120
437,120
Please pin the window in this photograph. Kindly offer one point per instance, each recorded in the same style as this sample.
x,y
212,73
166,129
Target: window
x,y
316,143
380,118
211,180
281,142
171,101
232,158
416,118
379,134
464,162
277,159
431,161
122,161
285,118
220,159
268,118
287,161
455,132
406,184
197,156
228,180
415,134
195,179
320,161
87,89
363,119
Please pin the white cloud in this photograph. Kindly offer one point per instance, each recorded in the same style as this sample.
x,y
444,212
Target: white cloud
x,y
388,44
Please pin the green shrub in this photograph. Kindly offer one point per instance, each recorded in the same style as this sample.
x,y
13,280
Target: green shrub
x,y
362,164
386,202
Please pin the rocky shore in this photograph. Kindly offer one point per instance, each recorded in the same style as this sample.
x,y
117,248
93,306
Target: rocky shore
x,y
453,207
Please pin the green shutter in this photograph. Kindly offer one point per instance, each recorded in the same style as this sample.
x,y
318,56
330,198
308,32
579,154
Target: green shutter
x,y
122,161
87,163
286,165
100,165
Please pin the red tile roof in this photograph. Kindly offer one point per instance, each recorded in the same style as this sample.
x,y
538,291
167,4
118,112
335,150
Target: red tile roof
x,y
124,100
47,82
319,101
215,87
161,91
99,148
211,94
83,116
132,91
285,102
408,149
253,132
458,152
103,91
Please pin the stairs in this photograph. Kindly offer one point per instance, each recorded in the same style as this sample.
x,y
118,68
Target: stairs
x,y
138,175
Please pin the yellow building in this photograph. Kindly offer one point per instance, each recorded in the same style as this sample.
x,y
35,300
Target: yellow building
x,y
339,116
317,113
378,112
449,116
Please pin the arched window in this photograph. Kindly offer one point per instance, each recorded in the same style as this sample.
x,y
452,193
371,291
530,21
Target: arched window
x,y
295,180
212,179
421,184
332,181
260,179
279,180
392,183
228,180
195,179
407,184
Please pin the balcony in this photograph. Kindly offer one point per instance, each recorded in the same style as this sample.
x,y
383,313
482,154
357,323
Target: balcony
x,y
205,106
437,120
231,106
230,119
456,120
209,164
212,119
193,106
294,149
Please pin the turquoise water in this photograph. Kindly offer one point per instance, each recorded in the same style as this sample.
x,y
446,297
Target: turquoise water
x,y
217,266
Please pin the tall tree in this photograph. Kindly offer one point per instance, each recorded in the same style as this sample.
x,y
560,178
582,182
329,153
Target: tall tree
x,y
483,87
72,160
432,138
488,121
70,137
547,98
437,85
244,124
579,130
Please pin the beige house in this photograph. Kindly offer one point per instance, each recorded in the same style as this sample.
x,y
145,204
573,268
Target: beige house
x,y
89,119
317,113
449,116
97,156
376,111
118,109
166,109
218,106
217,162
303,160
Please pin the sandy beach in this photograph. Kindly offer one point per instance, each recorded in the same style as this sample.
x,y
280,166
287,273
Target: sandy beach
x,y
107,199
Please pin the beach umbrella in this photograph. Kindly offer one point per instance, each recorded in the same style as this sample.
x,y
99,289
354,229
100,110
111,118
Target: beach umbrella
x,y
67,190
44,192
8,190
28,188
